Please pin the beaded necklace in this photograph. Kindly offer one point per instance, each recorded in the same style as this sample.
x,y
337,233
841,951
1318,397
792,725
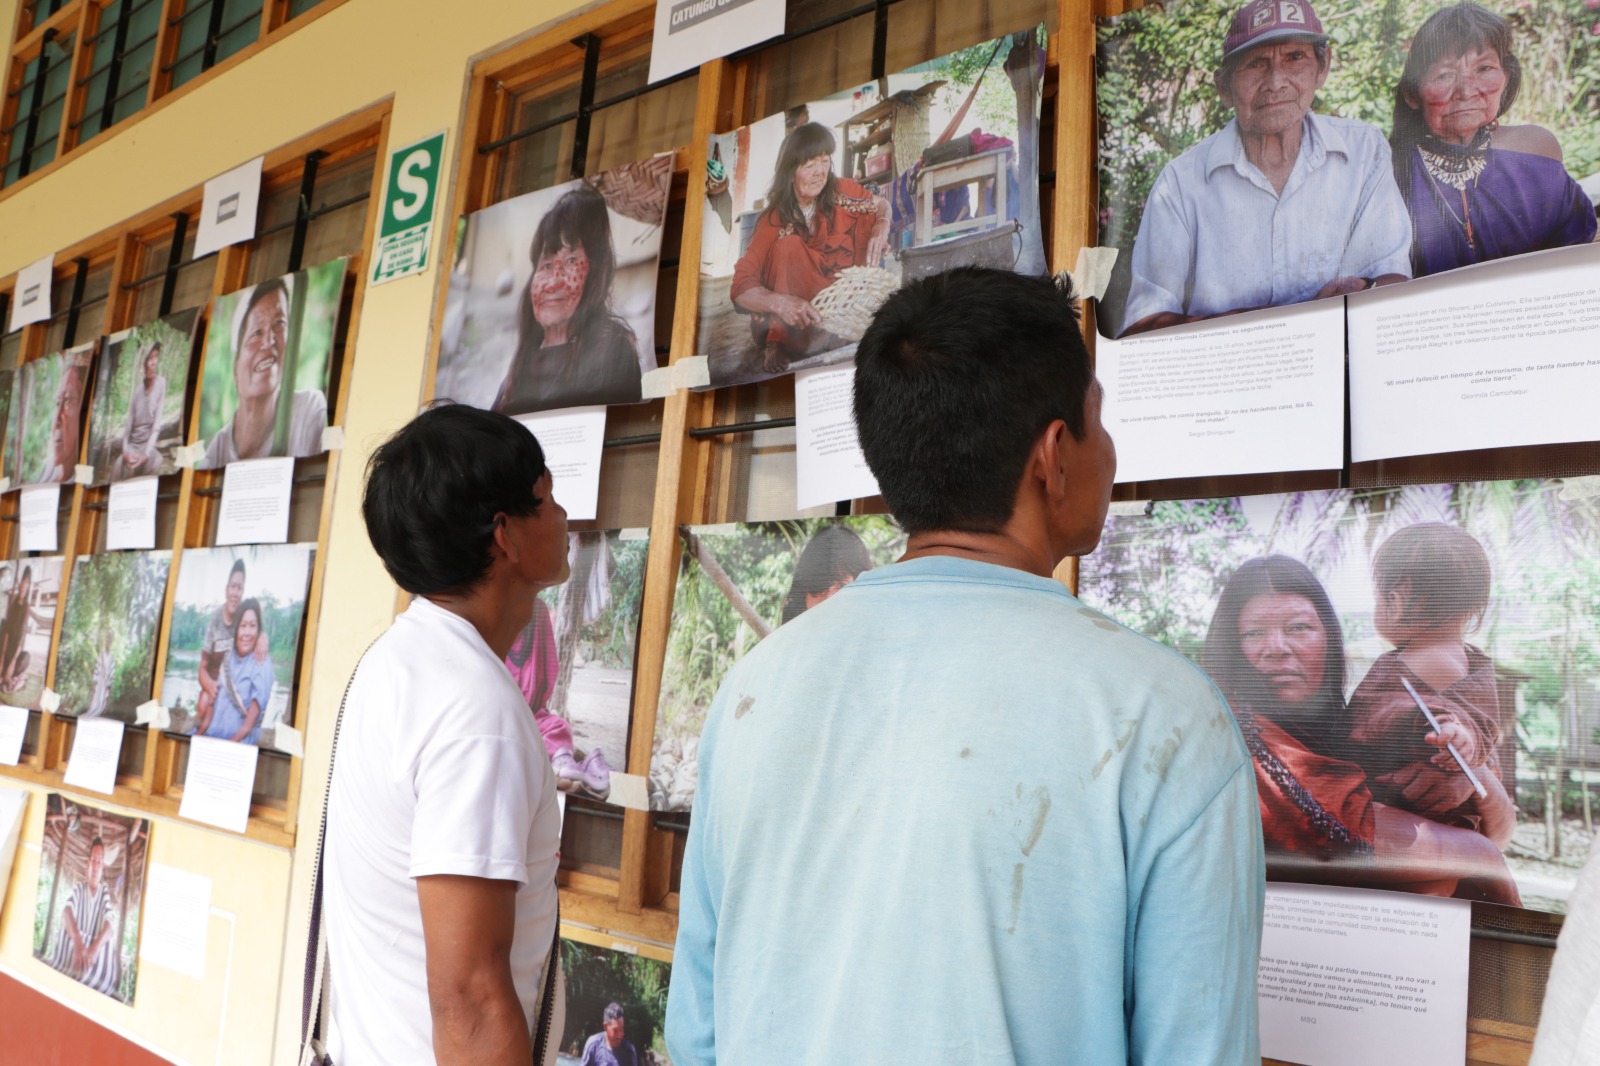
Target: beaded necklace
x,y
1457,166
1323,823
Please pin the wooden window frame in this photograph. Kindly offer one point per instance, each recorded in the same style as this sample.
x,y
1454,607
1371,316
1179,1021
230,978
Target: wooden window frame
x,y
194,494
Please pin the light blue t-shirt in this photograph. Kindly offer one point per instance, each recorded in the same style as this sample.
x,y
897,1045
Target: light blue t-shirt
x,y
952,815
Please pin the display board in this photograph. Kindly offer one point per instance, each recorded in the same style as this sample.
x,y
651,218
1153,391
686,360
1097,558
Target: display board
x,y
141,398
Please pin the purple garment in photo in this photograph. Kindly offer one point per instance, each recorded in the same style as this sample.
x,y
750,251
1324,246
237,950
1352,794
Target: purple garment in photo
x,y
597,1053
1519,203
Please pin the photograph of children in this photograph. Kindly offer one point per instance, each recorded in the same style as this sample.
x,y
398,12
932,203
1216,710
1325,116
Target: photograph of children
x,y
1414,670
269,351
733,589
236,620
574,661
1256,153
814,216
47,403
616,1007
91,895
30,590
106,659
141,398
552,298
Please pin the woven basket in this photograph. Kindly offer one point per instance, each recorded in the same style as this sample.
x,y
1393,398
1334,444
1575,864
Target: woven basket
x,y
847,305
637,190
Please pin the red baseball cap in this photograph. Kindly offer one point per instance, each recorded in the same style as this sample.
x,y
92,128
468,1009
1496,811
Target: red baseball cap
x,y
1261,21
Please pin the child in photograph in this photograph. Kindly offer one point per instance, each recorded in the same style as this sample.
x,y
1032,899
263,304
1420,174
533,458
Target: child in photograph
x,y
1431,586
138,455
84,949
13,631
245,683
218,643
535,664
832,559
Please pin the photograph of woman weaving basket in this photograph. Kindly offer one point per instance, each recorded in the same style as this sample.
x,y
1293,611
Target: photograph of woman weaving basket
x,y
813,216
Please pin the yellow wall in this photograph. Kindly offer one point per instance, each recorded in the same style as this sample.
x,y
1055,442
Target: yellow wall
x,y
419,52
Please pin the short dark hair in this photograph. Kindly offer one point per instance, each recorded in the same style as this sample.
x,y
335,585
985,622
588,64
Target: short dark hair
x,y
613,1012
1447,571
956,377
436,488
833,554
237,568
250,603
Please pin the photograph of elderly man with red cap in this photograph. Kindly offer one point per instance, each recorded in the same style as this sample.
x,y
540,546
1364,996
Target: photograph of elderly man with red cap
x,y
1279,206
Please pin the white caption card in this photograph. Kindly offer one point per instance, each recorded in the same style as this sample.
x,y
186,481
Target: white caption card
x,y
220,778
691,32
573,441
13,730
13,805
228,210
96,750
177,909
1245,394
255,501
131,514
39,507
30,300
1496,356
829,465
1351,976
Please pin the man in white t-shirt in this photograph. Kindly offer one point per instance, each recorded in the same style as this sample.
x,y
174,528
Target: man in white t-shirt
x,y
443,828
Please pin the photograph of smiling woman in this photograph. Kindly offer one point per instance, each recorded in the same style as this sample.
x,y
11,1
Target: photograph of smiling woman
x,y
264,383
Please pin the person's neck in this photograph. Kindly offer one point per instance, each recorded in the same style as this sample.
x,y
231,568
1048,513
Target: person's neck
x,y
253,425
556,334
1438,655
496,611
1002,548
1274,154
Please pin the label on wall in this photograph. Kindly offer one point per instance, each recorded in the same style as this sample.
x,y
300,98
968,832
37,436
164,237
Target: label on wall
x,y
692,32
409,194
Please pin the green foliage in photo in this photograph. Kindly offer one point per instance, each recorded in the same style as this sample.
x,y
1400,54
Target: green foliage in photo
x,y
122,370
34,410
597,977
115,597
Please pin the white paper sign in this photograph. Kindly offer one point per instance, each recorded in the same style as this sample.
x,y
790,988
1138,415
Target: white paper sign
x,y
221,777
255,501
1246,394
829,465
39,507
1496,356
1350,977
692,32
96,749
13,730
573,441
30,300
13,805
228,210
131,514
177,909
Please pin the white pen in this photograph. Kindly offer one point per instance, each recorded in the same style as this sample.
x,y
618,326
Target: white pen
x,y
1451,748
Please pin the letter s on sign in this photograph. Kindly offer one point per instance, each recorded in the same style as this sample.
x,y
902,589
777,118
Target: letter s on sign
x,y
413,185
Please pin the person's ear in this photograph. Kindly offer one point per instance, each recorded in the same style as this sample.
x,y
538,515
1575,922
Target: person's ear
x,y
1052,456
502,543
1411,99
1221,85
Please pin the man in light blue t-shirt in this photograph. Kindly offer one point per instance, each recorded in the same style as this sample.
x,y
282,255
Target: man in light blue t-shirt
x,y
952,815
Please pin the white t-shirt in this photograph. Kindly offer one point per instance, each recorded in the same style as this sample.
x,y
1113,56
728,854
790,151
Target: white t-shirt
x,y
440,769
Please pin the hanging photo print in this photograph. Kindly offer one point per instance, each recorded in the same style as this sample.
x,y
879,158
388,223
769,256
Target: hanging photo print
x,y
269,352
91,895
574,661
105,664
1268,152
616,1007
8,420
736,584
552,299
1413,670
814,216
141,398
235,637
30,589
47,405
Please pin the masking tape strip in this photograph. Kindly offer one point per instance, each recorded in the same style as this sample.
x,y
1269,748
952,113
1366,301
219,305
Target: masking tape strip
x,y
83,474
657,384
5,484
721,529
625,947
287,739
1130,508
1580,488
49,701
692,373
630,790
186,456
332,438
634,533
153,714
1092,274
